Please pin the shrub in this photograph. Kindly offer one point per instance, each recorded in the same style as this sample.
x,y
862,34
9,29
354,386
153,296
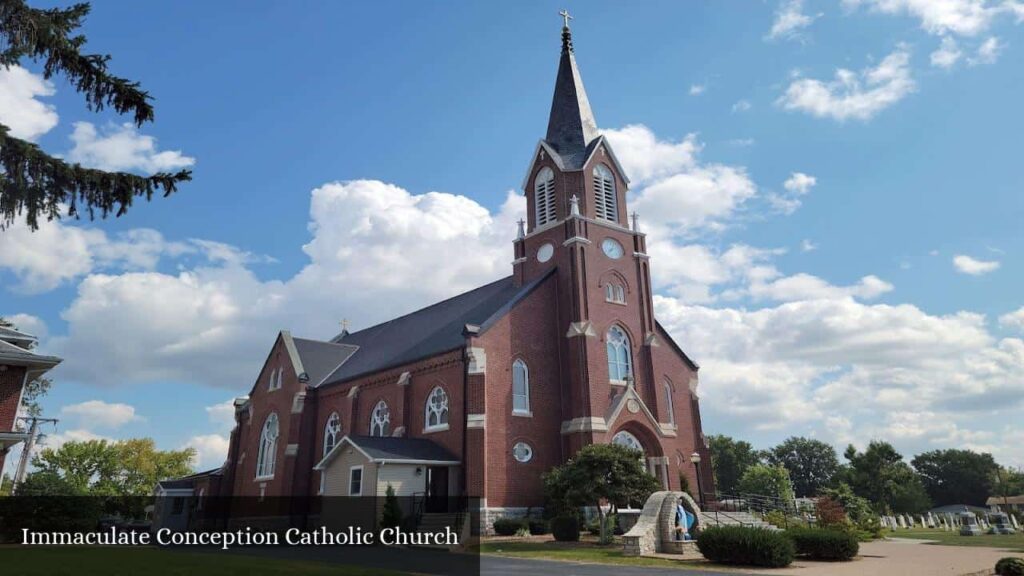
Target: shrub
x,y
392,515
508,526
824,543
870,528
745,545
776,518
566,528
538,526
1010,567
829,512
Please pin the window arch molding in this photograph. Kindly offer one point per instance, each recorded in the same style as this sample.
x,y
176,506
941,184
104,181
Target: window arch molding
x,y
435,410
520,388
544,197
629,440
614,286
380,419
266,456
619,349
332,432
606,202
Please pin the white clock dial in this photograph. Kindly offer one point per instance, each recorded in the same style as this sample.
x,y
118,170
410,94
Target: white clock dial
x,y
545,252
612,249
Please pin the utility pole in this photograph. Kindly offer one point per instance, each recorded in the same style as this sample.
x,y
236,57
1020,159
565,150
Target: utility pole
x,y
30,444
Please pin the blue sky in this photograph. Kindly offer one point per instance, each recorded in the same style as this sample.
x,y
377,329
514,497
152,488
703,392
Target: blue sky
x,y
831,188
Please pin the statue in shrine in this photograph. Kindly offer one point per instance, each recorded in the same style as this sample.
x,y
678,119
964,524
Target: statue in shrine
x,y
684,521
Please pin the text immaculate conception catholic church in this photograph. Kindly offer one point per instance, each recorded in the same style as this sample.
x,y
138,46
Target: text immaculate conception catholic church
x,y
482,393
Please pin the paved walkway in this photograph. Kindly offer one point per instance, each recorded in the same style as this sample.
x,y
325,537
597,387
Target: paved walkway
x,y
504,566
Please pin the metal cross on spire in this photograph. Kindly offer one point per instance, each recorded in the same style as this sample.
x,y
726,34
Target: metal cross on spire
x,y
565,17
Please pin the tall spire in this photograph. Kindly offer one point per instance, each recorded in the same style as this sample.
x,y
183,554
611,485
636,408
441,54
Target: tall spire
x,y
571,126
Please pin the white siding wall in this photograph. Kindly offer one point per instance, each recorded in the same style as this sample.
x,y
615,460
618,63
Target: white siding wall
x,y
401,477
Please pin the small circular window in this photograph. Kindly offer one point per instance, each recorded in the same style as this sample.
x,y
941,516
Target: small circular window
x,y
522,452
545,253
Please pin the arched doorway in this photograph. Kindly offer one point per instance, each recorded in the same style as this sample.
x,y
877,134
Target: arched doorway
x,y
638,438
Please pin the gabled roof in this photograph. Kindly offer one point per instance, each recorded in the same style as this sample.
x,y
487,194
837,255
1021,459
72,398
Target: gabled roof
x,y
426,332
389,450
319,359
11,354
668,338
16,337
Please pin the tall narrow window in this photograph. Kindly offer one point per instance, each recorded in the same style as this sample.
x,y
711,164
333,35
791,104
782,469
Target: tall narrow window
x,y
380,420
436,416
332,431
605,203
544,196
670,404
267,455
520,388
614,292
620,364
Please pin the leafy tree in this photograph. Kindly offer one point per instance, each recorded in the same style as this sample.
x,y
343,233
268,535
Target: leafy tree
x,y
37,184
880,475
766,480
730,459
910,498
956,476
122,468
34,389
857,509
1007,482
600,474
6,485
811,463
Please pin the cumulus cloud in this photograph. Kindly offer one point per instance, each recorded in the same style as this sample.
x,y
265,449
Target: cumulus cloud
x,y
968,265
808,287
961,17
988,52
122,148
223,414
806,245
211,450
948,53
20,107
98,414
742,106
697,89
1013,320
853,95
790,20
799,183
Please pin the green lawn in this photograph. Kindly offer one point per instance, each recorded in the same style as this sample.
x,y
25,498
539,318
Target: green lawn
x,y
588,552
51,561
1013,542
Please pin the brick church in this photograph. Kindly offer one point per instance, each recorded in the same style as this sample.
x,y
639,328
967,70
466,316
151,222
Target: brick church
x,y
480,394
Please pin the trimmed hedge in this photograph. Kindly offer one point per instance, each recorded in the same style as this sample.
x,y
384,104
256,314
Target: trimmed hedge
x,y
566,528
508,526
746,545
538,526
824,543
1010,567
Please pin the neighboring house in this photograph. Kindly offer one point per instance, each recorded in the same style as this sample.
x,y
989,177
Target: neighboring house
x,y
19,365
481,394
1007,504
182,503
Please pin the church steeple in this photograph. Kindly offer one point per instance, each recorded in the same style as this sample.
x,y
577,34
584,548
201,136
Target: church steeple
x,y
571,125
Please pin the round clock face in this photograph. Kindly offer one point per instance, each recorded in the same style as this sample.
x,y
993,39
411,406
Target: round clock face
x,y
611,248
545,252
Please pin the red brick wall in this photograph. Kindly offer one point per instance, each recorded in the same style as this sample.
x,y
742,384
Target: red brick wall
x,y
11,381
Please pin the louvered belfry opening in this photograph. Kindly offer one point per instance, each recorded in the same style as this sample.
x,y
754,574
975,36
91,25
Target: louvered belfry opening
x,y
605,205
544,196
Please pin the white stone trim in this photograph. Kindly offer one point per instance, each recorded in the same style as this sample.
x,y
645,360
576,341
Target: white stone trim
x,y
291,449
476,421
584,424
477,360
584,328
576,240
404,379
353,391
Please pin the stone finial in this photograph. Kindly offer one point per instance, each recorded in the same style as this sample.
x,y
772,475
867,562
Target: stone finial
x,y
574,206
522,229
636,222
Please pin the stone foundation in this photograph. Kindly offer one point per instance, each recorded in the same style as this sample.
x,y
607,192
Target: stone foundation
x,y
489,515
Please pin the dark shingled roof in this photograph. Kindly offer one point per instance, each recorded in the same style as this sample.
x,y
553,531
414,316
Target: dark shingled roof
x,y
571,125
427,332
388,448
182,484
321,358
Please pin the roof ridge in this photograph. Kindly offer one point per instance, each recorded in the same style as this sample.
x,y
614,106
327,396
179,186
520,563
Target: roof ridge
x,y
417,311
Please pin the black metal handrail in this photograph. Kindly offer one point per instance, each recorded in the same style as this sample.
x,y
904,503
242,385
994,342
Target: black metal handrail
x,y
419,501
760,504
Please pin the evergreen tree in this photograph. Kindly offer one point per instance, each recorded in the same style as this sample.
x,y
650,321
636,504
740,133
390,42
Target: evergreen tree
x,y
392,514
36,184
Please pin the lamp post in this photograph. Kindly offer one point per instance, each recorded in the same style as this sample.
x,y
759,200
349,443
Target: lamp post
x,y
695,457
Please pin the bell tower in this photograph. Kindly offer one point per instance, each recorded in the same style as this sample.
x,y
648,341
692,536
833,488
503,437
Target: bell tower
x,y
577,229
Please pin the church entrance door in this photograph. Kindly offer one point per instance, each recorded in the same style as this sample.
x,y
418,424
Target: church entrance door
x,y
437,489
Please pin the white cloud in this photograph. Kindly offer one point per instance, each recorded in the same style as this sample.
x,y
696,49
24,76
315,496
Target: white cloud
x,y
804,286
223,414
988,52
1013,320
852,95
29,324
807,246
57,439
742,142
211,450
800,183
742,106
961,17
948,53
20,108
967,265
99,414
790,20
122,148
697,89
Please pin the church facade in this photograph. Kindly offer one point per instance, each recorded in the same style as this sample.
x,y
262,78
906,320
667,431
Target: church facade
x,y
479,395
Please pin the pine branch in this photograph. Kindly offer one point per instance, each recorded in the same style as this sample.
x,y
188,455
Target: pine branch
x,y
39,185
47,35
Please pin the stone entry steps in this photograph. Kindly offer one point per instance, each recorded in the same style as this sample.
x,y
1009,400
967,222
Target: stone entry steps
x,y
734,519
433,522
